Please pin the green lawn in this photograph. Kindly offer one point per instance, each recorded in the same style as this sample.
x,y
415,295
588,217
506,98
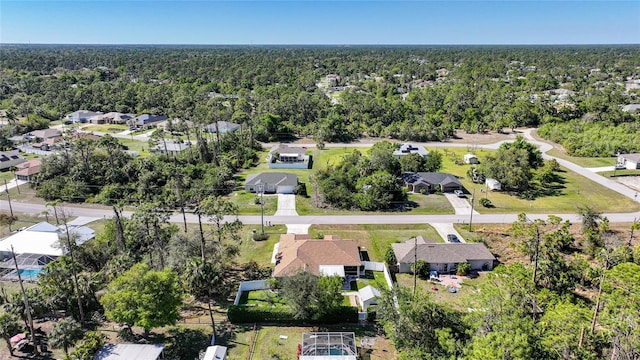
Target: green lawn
x,y
142,147
106,128
587,162
373,278
461,300
576,190
246,203
5,175
617,173
259,251
261,298
375,238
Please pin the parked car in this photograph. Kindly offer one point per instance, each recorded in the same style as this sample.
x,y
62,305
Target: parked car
x,y
458,193
452,238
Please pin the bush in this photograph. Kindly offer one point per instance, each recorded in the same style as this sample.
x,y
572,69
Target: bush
x,y
372,313
260,237
423,269
463,269
485,202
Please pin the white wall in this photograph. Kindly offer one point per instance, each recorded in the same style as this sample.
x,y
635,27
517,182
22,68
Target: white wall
x,y
249,286
286,189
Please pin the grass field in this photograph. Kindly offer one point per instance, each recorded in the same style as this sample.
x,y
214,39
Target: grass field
x,y
587,162
574,190
617,173
142,147
375,238
259,251
106,128
373,278
458,301
246,203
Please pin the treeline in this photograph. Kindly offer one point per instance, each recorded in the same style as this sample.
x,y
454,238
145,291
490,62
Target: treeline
x,y
409,93
594,139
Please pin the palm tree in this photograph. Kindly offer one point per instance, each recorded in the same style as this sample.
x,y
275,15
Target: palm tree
x,y
8,327
64,334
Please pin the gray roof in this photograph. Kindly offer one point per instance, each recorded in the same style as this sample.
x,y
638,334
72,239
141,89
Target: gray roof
x,y
434,253
368,292
147,119
406,149
129,352
171,146
631,157
284,149
432,178
631,107
222,127
272,178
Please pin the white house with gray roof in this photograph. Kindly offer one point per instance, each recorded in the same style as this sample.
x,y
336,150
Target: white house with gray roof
x,y
406,149
442,257
628,161
271,182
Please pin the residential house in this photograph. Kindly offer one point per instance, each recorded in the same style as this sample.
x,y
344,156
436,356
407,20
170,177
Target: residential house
x,y
111,118
628,161
430,181
286,157
216,352
442,257
44,134
81,116
330,256
406,149
470,159
146,120
328,346
271,182
27,170
493,184
368,296
10,159
221,127
36,246
170,147
631,108
130,352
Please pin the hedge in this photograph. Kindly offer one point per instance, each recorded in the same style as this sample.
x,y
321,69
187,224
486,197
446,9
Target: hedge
x,y
252,314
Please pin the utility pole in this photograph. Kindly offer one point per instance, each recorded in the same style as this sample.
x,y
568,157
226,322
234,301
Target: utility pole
x,y
27,308
6,189
261,191
415,263
535,259
473,197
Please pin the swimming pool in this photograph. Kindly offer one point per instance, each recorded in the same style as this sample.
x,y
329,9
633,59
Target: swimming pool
x,y
30,274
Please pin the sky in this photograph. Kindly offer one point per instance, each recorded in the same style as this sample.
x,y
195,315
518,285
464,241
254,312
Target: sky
x,y
306,22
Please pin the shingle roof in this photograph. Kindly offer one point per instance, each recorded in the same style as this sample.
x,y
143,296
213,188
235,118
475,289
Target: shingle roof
x,y
300,252
283,149
129,352
272,178
433,178
222,127
406,149
631,157
368,292
441,252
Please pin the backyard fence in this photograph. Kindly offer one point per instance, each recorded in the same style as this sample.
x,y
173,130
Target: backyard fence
x,y
249,286
378,266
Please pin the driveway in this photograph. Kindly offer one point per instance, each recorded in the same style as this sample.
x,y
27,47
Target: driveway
x,y
286,205
600,169
446,228
460,205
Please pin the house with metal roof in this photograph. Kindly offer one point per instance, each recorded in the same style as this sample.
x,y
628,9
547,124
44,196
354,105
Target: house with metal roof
x,y
430,181
221,127
130,352
271,182
442,257
406,149
330,256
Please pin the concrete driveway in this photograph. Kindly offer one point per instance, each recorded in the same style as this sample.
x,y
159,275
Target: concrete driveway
x,y
446,228
460,205
286,205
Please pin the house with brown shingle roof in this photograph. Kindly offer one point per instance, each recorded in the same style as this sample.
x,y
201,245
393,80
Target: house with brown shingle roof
x,y
27,170
442,257
329,256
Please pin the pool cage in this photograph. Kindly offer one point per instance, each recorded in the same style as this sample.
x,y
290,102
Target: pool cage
x,y
328,346
29,265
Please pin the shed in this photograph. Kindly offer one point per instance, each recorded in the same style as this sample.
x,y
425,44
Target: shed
x,y
368,296
493,184
470,159
216,352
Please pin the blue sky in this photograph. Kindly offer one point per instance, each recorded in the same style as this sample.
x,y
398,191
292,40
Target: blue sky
x,y
320,22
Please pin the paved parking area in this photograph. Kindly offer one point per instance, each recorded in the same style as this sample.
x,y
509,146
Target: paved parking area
x,y
462,206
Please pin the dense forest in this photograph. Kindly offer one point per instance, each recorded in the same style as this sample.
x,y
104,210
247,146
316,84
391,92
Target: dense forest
x,y
339,94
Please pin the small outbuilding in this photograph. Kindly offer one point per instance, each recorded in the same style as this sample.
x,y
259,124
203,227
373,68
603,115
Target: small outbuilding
x,y
493,184
470,159
130,352
368,296
216,352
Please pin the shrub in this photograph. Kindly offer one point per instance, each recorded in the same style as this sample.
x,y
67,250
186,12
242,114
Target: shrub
x,y
260,237
463,269
283,315
422,268
485,202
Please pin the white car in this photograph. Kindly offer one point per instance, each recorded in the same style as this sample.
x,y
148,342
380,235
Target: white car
x,y
459,193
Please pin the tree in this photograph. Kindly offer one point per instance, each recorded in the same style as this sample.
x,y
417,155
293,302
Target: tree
x,y
90,344
561,327
433,162
226,231
412,163
64,334
311,296
513,164
144,298
8,328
